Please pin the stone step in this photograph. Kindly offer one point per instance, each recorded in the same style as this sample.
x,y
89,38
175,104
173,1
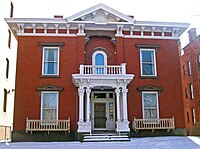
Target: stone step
x,y
105,137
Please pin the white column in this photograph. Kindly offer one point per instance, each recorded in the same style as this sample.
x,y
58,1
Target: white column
x,y
81,94
117,91
125,115
88,91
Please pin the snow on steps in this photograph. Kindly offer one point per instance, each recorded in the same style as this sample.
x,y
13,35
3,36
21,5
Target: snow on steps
x,y
105,137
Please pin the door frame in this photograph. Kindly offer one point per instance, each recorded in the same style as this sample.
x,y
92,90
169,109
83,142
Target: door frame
x,y
110,123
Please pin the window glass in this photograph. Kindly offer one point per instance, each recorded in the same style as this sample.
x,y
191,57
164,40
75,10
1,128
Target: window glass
x,y
50,61
49,106
99,59
193,116
191,92
148,62
111,114
189,68
99,95
150,105
99,62
7,68
5,100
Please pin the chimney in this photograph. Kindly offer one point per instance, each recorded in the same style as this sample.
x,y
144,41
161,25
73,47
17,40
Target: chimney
x,y
58,16
192,34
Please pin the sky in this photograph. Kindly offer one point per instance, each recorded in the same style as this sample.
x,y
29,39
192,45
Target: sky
x,y
186,11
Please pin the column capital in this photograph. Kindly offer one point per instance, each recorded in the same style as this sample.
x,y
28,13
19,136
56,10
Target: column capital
x,y
81,91
88,90
124,91
117,90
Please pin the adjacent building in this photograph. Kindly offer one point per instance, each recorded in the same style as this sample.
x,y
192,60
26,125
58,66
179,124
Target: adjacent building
x,y
97,70
8,50
190,66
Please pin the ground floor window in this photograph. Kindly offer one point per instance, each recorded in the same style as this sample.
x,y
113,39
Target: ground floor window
x,y
49,105
150,105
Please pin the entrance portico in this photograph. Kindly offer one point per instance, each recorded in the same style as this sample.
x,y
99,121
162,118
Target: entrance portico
x,y
102,100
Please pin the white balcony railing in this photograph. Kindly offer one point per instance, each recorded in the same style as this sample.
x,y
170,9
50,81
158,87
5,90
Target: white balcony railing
x,y
152,124
47,125
101,70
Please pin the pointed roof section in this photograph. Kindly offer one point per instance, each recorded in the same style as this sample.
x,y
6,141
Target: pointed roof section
x,y
101,14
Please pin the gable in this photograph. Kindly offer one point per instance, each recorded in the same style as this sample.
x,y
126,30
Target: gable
x,y
100,14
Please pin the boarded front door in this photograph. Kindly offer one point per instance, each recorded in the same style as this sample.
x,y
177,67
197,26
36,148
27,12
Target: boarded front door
x,y
100,115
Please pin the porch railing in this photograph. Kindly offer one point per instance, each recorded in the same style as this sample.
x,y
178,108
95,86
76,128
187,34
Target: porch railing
x,y
153,124
101,70
47,125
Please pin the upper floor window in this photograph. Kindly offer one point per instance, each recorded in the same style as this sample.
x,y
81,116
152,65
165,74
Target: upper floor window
x,y
11,9
7,68
50,63
150,105
184,71
9,39
198,59
99,61
49,105
189,68
148,62
191,91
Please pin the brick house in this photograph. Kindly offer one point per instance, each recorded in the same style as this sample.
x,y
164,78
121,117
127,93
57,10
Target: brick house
x,y
190,66
102,69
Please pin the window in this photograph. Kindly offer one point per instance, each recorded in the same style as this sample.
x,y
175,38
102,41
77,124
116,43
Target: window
x,y
188,117
186,93
11,9
99,61
193,116
189,68
148,62
9,39
5,100
50,61
191,92
7,68
49,105
150,105
198,60
184,71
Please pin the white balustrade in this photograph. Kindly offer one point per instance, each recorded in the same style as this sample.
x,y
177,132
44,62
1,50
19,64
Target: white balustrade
x,y
47,125
101,70
152,124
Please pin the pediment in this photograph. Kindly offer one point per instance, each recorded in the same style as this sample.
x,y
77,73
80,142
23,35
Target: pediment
x,y
49,88
101,14
150,88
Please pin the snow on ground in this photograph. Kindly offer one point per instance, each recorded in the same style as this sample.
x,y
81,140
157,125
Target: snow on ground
x,y
135,143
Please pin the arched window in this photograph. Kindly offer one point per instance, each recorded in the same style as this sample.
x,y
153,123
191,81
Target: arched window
x,y
99,62
99,59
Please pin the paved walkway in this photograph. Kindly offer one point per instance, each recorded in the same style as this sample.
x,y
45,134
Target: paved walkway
x,y
135,143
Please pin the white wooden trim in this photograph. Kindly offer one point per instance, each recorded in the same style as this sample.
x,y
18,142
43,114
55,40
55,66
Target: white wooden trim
x,y
155,67
153,124
99,52
43,51
47,125
150,92
41,109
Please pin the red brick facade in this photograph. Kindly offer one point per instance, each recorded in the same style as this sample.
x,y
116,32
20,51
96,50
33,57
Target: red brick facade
x,y
191,54
29,67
